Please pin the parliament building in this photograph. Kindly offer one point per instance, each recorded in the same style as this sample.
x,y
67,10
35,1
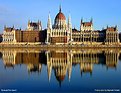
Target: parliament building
x,y
61,32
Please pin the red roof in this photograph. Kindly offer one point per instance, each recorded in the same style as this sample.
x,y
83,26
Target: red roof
x,y
87,23
111,29
60,16
8,29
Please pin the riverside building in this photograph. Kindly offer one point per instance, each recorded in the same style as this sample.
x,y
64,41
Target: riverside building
x,y
61,32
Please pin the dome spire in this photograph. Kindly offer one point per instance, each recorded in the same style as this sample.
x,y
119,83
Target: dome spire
x,y
60,9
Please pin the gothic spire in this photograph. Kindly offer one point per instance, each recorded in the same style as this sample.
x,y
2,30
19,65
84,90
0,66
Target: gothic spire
x,y
49,22
13,27
40,25
28,22
91,20
81,20
4,26
60,9
69,22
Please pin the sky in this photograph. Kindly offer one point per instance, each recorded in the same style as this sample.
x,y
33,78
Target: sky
x,y
18,12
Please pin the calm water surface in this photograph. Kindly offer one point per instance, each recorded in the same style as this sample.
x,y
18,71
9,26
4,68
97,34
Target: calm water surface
x,y
68,71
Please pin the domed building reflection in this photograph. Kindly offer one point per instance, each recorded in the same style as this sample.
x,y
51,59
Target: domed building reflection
x,y
9,58
60,62
30,59
111,58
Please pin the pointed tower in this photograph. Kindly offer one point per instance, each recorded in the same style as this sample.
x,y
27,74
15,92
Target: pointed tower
x,y
49,28
70,28
116,28
28,26
28,22
4,27
13,27
81,20
91,21
69,22
107,26
60,9
49,25
39,25
81,24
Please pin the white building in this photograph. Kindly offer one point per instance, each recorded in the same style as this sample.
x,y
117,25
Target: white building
x,y
9,35
34,26
61,31
86,26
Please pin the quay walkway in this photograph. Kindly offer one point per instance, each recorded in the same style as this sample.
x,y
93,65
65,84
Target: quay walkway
x,y
57,46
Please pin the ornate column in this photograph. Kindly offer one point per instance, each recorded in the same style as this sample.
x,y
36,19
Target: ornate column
x,y
14,36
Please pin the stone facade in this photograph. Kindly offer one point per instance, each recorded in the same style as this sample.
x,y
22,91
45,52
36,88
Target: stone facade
x,y
34,33
30,36
109,35
9,35
86,26
34,26
60,32
80,37
112,35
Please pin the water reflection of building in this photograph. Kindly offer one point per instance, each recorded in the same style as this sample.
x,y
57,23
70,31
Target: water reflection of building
x,y
86,60
61,62
9,58
111,58
31,60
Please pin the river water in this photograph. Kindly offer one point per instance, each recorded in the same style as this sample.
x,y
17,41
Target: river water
x,y
86,70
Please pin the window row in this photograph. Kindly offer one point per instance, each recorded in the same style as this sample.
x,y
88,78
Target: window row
x,y
59,33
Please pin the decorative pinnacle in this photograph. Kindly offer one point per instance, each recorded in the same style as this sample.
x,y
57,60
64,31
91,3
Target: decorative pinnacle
x,y
60,9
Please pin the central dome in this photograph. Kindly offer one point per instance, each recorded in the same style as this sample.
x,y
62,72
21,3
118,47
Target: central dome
x,y
60,16
60,21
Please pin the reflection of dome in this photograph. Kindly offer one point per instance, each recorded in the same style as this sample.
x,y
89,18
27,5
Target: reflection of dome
x,y
60,72
60,78
60,16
